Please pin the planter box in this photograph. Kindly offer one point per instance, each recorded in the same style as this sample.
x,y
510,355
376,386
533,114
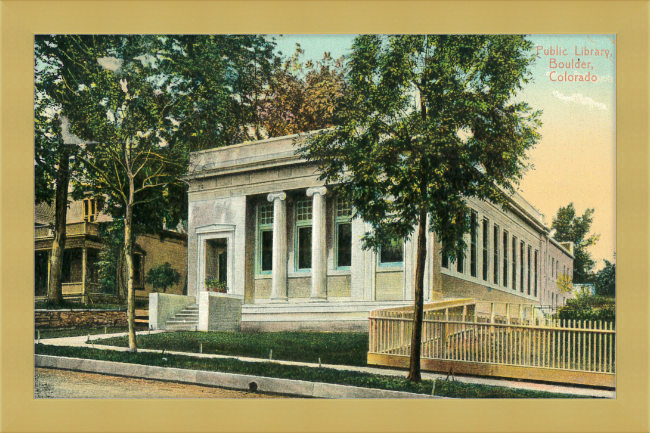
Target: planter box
x,y
220,312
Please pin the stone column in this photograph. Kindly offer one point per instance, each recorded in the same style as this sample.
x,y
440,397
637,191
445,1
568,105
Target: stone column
x,y
279,272
318,244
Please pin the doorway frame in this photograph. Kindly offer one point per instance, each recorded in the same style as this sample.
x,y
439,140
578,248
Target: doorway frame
x,y
215,231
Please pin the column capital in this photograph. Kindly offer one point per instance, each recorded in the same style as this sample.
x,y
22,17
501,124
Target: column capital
x,y
276,195
316,190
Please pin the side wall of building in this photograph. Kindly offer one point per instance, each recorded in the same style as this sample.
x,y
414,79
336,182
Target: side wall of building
x,y
160,249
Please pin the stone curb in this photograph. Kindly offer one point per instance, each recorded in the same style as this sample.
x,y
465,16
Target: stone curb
x,y
225,380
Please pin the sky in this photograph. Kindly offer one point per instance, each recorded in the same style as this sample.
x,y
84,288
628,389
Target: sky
x,y
574,162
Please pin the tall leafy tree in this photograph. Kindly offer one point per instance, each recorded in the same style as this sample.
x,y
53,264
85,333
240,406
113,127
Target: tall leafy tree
x,y
141,103
570,227
428,121
302,96
56,64
606,280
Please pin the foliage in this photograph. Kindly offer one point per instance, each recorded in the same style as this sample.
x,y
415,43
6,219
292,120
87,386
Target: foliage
x,y
571,228
564,284
110,260
302,97
588,308
215,285
427,122
163,277
325,375
140,103
606,280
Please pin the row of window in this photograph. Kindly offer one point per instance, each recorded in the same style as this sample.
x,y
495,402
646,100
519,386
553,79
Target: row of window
x,y
504,252
390,254
555,267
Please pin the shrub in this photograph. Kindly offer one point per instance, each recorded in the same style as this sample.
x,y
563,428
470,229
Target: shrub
x,y
163,277
589,308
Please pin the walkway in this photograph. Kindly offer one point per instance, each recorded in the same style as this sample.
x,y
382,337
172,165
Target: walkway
x,y
81,341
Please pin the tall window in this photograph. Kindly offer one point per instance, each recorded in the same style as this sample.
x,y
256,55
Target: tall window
x,y
496,255
304,212
529,268
138,270
265,238
486,241
460,261
391,253
557,268
90,210
473,242
521,266
445,260
536,260
514,263
343,229
553,267
505,258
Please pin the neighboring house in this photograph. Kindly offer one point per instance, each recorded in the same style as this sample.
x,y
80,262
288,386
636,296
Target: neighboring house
x,y
261,221
83,244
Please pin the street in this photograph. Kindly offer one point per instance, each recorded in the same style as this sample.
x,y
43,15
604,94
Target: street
x,y
50,383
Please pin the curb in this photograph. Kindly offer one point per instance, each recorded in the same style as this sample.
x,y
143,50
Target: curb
x,y
224,380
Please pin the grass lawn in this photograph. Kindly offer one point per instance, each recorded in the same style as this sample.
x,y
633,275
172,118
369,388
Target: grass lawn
x,y
353,378
331,347
75,332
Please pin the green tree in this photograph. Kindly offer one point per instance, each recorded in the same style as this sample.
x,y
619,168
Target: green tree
x,y
56,63
163,277
428,121
564,283
606,280
141,104
571,228
302,97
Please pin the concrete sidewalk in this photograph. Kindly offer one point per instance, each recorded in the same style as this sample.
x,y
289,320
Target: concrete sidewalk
x,y
81,341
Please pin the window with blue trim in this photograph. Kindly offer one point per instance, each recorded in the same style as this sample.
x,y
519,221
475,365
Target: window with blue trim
x,y
343,229
303,218
265,239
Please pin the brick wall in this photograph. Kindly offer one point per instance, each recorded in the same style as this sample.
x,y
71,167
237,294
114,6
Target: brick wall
x,y
78,318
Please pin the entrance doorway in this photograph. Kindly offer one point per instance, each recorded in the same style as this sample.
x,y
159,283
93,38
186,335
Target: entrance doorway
x,y
216,260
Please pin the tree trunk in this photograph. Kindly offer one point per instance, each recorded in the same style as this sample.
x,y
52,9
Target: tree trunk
x,y
416,340
54,291
128,256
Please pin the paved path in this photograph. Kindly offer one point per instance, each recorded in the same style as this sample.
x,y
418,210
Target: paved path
x,y
50,383
586,392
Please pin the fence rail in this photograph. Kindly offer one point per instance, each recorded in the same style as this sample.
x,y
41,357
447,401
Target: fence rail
x,y
511,343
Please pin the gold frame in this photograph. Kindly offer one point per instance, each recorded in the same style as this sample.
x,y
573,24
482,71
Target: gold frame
x,y
21,19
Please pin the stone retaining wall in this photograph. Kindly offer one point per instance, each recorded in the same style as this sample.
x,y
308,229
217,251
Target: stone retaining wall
x,y
78,318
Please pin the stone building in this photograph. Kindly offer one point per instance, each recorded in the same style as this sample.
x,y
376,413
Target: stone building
x,y
261,221
83,243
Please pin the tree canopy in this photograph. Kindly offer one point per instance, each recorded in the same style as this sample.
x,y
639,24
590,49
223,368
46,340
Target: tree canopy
x,y
428,121
140,104
569,227
302,96
605,280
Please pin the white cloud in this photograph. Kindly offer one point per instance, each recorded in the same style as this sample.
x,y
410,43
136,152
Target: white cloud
x,y
579,99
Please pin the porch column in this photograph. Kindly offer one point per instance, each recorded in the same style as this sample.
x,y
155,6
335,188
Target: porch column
x,y
83,273
279,272
318,252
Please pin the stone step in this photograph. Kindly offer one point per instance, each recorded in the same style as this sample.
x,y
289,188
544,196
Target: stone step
x,y
183,320
187,315
178,327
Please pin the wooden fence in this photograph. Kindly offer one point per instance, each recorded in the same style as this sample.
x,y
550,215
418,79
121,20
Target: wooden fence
x,y
523,346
